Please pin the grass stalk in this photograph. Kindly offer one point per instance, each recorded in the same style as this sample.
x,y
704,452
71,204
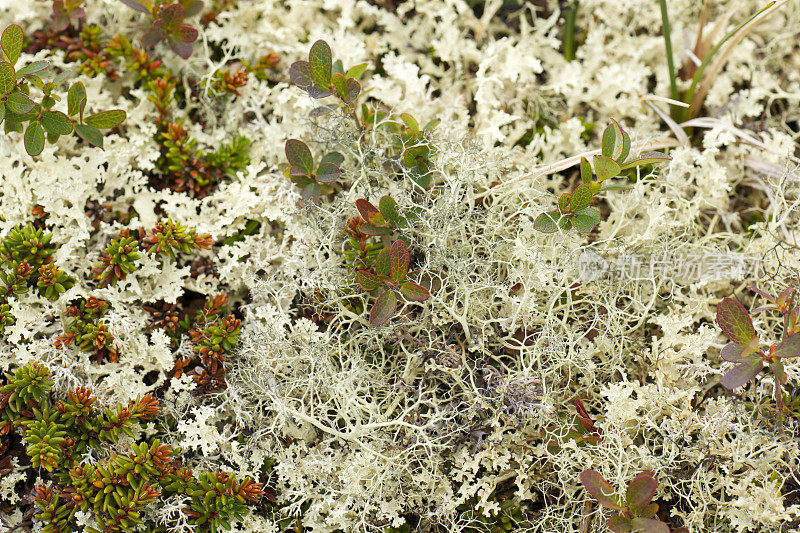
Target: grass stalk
x,y
569,31
665,29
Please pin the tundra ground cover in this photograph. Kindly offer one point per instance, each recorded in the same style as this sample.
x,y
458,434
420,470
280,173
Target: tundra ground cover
x,y
399,266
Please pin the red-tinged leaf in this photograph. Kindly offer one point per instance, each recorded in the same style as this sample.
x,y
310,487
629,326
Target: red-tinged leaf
x,y
368,281
144,7
173,14
34,138
186,33
181,48
33,68
383,309
583,223
319,61
56,123
8,78
339,83
411,123
732,353
415,155
586,170
151,38
612,140
382,266
388,208
310,193
328,172
2,111
333,157
300,74
356,71
785,297
788,347
609,186
605,167
648,525
415,292
547,222
581,198
76,99
640,491
735,322
766,295
89,134
742,373
779,372
19,103
315,91
619,524
194,8
321,111
369,212
649,510
626,147
106,119
375,231
299,155
399,259
647,158
564,201
11,43
352,90
296,171
600,489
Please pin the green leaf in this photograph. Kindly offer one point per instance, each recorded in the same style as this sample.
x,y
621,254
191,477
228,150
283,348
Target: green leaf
x,y
333,157
382,266
411,123
591,212
352,90
2,111
583,223
626,147
779,372
611,186
648,525
732,353
788,347
368,281
76,99
564,201
338,67
547,222
414,292
369,212
11,42
311,192
34,138
328,172
370,229
605,167
581,198
742,373
619,524
735,322
19,103
357,71
89,134
106,119
399,259
33,68
647,158
415,154
56,123
388,208
640,491
8,78
339,83
319,62
600,489
586,170
383,308
298,154
613,141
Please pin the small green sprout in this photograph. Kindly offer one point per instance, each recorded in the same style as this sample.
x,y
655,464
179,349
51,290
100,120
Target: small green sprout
x,y
575,209
321,77
389,279
312,183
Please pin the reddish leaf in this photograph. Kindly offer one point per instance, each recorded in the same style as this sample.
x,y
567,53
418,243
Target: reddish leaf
x,y
648,525
586,170
352,90
383,308
641,490
647,158
414,292
173,14
382,266
600,489
328,172
742,373
299,155
619,524
605,167
300,74
732,353
186,33
735,322
779,372
368,281
369,212
369,229
399,258
788,347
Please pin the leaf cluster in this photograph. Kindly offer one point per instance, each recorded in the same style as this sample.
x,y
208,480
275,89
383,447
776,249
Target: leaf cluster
x,y
320,76
64,11
87,331
169,23
17,106
312,180
575,209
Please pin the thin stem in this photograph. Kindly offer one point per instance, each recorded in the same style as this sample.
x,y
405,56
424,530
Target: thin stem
x,y
673,83
569,31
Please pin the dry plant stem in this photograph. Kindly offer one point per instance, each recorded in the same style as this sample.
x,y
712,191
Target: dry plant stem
x,y
558,166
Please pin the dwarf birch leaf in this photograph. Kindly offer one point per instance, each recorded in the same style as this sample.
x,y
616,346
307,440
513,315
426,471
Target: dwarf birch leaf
x,y
399,258
547,222
299,155
376,231
89,134
34,138
388,208
647,158
735,322
368,281
369,212
319,61
8,79
415,292
581,198
33,68
583,223
640,491
357,71
732,353
382,266
56,123
563,202
605,167
333,157
648,525
383,308
742,373
11,42
600,489
788,347
586,170
300,74
328,172
619,524
106,119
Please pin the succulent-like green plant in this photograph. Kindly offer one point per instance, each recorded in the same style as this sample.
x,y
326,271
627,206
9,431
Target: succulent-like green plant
x,y
636,513
17,106
312,182
117,261
170,237
575,209
389,279
86,330
169,23
320,76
